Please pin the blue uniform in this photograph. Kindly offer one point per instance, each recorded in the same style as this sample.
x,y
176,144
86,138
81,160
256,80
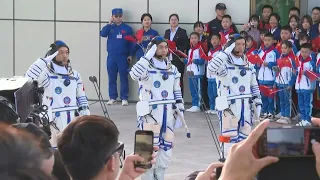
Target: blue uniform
x,y
285,78
305,87
147,36
195,69
266,77
118,51
314,33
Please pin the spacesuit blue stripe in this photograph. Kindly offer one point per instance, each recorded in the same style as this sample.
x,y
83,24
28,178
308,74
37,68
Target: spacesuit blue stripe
x,y
164,117
248,123
81,97
35,70
45,82
51,102
37,67
242,114
34,73
63,77
68,116
33,77
137,69
63,107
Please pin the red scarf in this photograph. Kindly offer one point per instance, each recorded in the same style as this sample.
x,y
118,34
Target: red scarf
x,y
227,32
302,66
264,26
212,51
266,52
197,46
250,50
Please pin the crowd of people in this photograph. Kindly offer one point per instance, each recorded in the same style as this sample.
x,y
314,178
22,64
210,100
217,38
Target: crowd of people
x,y
265,38
255,70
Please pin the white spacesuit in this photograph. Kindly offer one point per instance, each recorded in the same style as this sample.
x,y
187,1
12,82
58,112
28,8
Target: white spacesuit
x,y
63,90
159,82
238,94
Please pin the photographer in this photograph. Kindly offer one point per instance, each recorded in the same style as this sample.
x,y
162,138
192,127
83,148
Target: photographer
x,y
63,89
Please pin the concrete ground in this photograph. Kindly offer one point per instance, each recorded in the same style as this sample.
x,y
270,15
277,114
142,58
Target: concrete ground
x,y
189,155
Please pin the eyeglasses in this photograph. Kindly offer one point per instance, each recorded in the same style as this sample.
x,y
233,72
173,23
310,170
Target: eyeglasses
x,y
118,16
120,150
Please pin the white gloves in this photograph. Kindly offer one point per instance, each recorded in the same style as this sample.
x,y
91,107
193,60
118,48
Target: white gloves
x,y
151,52
49,58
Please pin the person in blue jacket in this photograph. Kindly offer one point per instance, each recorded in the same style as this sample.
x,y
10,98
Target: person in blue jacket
x,y
118,55
147,34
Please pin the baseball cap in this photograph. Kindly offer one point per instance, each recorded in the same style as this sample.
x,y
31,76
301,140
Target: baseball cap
x,y
117,11
221,6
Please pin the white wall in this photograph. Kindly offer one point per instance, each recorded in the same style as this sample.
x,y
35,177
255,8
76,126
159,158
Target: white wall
x,y
27,34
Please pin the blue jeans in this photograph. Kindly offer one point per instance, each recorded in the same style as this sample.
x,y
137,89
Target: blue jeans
x,y
305,105
267,103
195,89
285,101
212,93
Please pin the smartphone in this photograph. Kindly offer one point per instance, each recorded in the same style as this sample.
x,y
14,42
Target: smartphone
x,y
288,141
143,146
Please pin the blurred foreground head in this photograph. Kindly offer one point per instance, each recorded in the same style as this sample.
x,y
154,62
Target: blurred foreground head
x,y
20,155
89,148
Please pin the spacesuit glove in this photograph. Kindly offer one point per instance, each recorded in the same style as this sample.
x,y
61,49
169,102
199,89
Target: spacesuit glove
x,y
84,112
49,58
257,102
151,52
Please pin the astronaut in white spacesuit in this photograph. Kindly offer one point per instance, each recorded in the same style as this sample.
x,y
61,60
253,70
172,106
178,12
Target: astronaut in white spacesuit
x,y
63,89
159,82
239,99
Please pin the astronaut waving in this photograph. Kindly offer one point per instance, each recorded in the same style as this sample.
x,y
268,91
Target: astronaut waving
x,y
238,92
159,84
63,89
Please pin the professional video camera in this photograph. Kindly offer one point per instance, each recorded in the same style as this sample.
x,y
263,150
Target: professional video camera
x,y
21,102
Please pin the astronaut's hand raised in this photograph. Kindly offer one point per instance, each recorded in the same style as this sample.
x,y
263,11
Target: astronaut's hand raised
x,y
151,52
49,58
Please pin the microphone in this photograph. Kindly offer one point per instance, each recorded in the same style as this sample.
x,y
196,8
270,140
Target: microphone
x,y
91,79
276,69
94,80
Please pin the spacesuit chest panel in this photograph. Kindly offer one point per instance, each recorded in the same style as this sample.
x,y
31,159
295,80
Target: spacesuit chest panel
x,y
64,90
159,85
236,82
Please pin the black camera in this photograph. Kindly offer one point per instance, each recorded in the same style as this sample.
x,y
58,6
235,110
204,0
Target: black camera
x,y
21,101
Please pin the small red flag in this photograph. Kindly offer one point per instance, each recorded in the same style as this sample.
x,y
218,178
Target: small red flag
x,y
312,75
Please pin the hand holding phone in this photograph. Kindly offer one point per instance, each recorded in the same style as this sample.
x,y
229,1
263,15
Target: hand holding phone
x,y
143,147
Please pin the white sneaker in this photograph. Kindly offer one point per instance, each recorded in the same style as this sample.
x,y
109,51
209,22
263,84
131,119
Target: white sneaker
x,y
304,123
112,102
194,109
208,112
284,120
125,103
213,112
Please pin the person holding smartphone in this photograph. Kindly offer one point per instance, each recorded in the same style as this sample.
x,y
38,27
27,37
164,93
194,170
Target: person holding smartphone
x,y
159,82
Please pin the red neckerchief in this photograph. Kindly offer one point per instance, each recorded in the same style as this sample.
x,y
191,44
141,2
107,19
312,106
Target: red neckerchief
x,y
212,51
263,25
262,45
266,52
278,46
302,66
227,32
250,50
197,46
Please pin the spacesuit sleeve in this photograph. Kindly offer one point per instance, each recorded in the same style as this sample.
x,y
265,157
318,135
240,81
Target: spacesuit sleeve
x,y
177,91
217,65
139,71
38,71
81,95
255,88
